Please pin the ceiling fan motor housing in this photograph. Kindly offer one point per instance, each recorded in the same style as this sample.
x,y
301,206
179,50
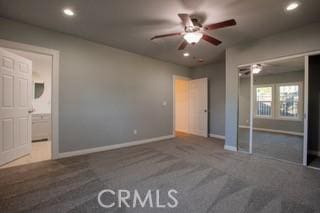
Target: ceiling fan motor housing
x,y
195,28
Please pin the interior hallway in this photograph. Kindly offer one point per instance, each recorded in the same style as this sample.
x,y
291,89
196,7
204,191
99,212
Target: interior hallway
x,y
207,177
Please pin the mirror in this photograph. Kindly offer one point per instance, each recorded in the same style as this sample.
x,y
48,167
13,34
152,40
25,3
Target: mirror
x,y
38,90
38,85
278,101
244,109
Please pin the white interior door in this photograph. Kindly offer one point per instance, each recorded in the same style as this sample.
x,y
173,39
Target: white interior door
x,y
198,107
15,106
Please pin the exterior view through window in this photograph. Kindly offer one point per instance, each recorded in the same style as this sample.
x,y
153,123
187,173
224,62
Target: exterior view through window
x,y
264,101
289,101
284,99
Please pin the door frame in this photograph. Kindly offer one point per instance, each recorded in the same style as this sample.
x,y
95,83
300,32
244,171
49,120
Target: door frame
x,y
305,55
174,78
55,54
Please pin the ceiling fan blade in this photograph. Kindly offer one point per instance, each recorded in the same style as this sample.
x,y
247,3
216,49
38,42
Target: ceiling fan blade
x,y
186,20
211,40
183,45
165,35
244,69
223,24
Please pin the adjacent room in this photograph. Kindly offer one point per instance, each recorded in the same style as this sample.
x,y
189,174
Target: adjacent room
x,y
160,106
37,92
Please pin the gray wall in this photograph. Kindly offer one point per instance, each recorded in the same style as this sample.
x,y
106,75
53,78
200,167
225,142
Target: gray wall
x,y
244,102
292,42
105,93
216,77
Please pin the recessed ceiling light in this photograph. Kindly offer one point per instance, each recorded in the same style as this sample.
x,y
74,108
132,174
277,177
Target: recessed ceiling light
x,y
292,6
186,54
68,12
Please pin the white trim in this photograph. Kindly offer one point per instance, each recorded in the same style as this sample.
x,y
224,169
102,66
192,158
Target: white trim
x,y
174,78
251,113
306,106
274,130
55,86
230,148
112,147
314,152
222,137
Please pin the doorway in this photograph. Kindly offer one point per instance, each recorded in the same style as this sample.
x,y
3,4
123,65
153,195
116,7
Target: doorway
x,y
29,104
181,105
40,68
190,104
314,112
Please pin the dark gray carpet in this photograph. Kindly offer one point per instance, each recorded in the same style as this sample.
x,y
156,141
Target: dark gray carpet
x,y
280,146
208,179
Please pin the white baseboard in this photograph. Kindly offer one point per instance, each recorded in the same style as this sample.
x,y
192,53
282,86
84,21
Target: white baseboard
x,y
111,147
217,136
274,131
230,148
314,152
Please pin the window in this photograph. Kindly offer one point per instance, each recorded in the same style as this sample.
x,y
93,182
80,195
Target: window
x,y
283,99
289,101
264,101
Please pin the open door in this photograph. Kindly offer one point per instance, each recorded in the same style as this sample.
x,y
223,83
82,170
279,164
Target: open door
x,y
15,106
198,107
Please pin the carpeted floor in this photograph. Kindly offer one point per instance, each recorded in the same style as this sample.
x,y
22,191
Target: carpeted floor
x,y
207,178
280,146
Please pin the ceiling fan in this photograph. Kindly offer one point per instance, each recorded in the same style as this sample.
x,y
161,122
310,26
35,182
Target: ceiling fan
x,y
194,31
255,68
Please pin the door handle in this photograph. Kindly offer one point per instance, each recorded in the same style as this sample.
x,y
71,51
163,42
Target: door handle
x,y
205,110
30,111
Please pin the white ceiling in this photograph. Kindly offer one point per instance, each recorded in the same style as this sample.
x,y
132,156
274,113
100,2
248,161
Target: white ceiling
x,y
129,24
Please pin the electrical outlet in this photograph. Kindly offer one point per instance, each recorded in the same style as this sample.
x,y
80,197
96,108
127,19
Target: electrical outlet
x,y
135,131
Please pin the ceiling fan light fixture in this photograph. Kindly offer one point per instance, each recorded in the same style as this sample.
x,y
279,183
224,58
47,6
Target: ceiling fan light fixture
x,y
292,6
256,68
193,37
68,12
